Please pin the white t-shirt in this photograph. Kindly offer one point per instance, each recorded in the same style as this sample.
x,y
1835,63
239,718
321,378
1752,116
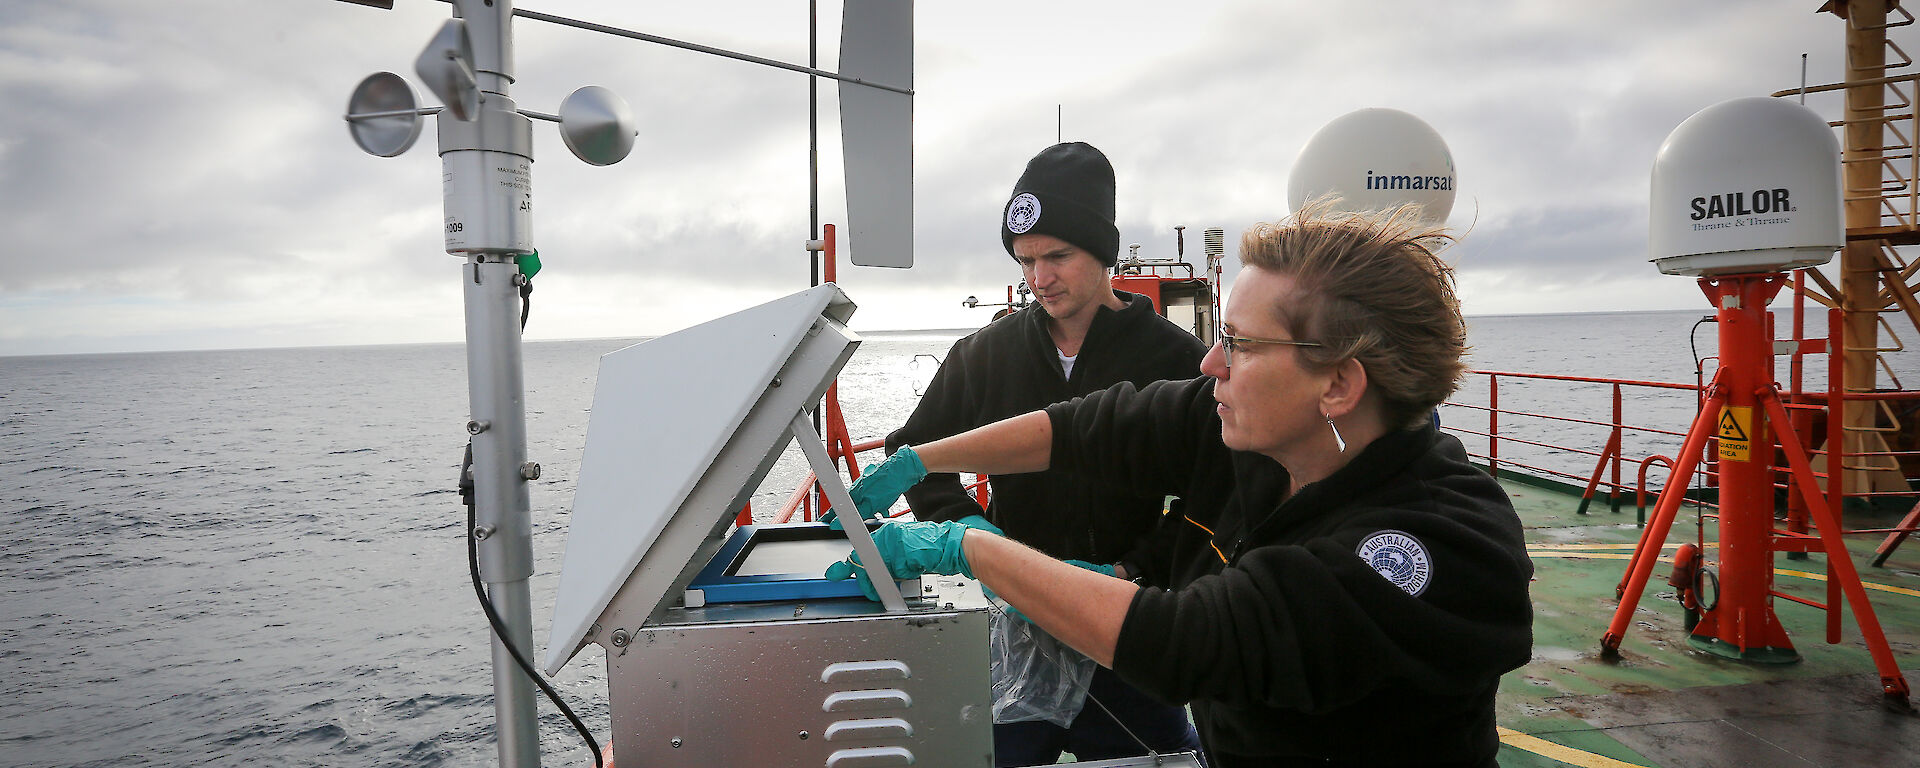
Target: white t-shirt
x,y
1066,363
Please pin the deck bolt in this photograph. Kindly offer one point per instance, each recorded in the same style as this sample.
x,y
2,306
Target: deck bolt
x,y
620,640
803,735
675,742
482,533
776,382
476,427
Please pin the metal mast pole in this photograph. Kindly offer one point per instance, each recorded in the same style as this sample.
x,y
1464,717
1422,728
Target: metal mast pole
x,y
813,134
487,165
486,156
813,156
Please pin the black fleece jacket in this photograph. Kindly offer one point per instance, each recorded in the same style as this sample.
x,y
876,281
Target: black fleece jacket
x,y
1291,648
1011,367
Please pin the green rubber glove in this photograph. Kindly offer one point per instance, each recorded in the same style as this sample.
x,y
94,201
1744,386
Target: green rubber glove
x,y
1012,612
981,523
881,484
1104,570
910,549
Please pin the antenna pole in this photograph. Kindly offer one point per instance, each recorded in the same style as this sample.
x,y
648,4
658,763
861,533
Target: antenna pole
x,y
1057,130
1803,79
813,133
813,153
487,164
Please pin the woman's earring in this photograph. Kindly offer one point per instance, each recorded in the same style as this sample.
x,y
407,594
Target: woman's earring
x,y
1338,442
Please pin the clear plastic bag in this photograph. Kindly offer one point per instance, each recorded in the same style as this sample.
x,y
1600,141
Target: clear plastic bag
x,y
1035,677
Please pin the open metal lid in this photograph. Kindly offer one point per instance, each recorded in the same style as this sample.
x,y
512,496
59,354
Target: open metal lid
x,y
684,426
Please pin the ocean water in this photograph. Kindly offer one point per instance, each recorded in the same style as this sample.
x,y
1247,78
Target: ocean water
x,y
218,558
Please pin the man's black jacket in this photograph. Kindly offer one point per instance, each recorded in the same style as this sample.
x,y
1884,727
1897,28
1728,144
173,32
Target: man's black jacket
x,y
1011,367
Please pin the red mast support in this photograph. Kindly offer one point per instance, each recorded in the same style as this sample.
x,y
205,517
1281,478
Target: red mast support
x,y
1744,410
839,441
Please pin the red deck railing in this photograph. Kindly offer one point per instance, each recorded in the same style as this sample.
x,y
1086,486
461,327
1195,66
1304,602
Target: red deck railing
x,y
1508,427
1607,454
1541,437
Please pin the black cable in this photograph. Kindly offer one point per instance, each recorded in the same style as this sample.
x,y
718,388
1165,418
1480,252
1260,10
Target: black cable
x,y
1699,373
1692,344
493,617
526,302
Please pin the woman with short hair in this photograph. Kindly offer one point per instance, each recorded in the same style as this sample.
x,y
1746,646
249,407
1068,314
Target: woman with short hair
x,y
1336,584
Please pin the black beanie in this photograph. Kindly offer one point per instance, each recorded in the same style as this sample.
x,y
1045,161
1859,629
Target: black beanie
x,y
1067,192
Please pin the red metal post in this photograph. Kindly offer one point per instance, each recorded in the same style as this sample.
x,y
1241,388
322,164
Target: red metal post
x,y
839,445
799,497
1609,453
1493,425
828,255
1613,494
1833,604
1609,456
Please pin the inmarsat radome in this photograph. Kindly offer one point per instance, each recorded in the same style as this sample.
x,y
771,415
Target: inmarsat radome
x,y
1376,159
1746,186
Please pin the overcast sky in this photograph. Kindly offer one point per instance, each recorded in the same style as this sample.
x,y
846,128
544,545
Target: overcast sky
x,y
176,175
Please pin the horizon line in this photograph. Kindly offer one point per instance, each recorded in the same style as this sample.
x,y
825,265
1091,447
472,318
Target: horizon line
x,y
951,330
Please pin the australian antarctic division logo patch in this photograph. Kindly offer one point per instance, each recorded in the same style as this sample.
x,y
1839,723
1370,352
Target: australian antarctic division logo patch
x,y
1399,557
1023,213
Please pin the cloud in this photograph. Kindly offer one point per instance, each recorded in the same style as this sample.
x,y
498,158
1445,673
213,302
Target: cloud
x,y
179,174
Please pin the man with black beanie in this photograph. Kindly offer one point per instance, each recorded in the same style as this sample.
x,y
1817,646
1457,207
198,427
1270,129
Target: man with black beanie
x,y
1081,336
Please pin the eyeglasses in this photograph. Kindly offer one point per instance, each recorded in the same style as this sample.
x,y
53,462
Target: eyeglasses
x,y
1231,341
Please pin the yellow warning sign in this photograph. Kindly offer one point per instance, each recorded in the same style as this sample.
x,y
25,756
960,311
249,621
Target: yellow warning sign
x,y
1736,433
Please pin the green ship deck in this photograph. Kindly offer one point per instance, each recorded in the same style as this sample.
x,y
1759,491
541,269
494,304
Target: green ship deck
x,y
1664,704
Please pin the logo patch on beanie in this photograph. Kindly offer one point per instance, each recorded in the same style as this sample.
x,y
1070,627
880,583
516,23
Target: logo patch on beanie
x,y
1399,558
1023,213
